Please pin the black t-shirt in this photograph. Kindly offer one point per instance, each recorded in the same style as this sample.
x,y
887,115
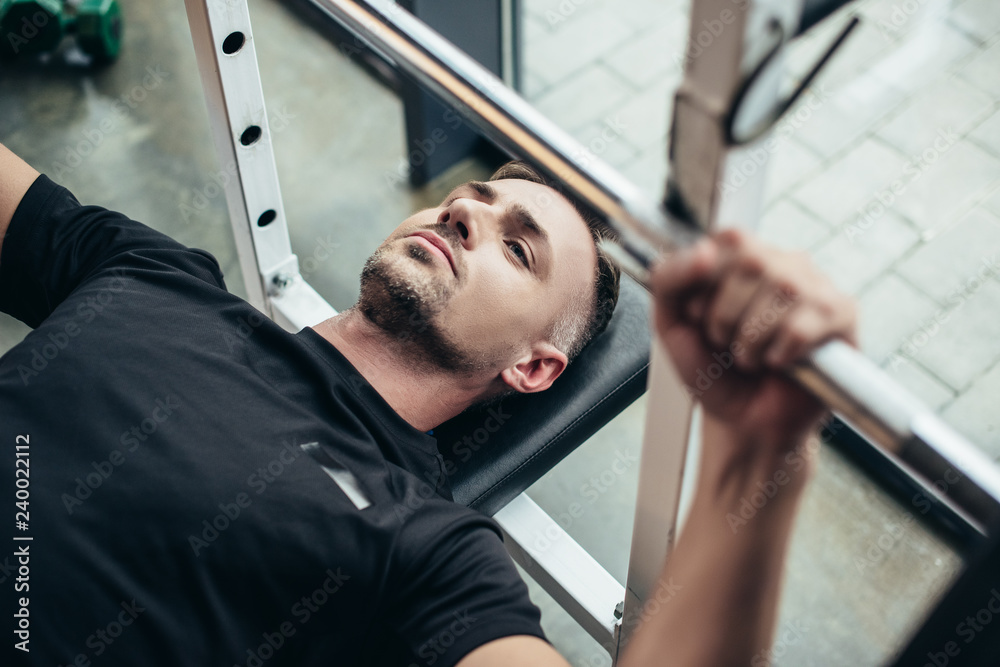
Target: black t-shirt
x,y
179,455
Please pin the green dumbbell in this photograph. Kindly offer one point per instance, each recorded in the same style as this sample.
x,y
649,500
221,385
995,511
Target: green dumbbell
x,y
30,27
99,29
38,26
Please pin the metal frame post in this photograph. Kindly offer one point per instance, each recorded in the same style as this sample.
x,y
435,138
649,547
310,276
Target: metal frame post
x,y
227,62
699,158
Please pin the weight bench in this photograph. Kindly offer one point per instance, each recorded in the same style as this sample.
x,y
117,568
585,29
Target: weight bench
x,y
544,428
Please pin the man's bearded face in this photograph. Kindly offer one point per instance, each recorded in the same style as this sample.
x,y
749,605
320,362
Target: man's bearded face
x,y
471,285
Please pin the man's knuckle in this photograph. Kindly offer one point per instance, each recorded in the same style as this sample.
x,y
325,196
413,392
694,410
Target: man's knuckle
x,y
732,237
787,286
802,258
751,265
798,331
847,313
717,333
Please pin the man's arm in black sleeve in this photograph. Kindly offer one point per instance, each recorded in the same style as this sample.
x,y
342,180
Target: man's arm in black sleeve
x,y
53,245
17,177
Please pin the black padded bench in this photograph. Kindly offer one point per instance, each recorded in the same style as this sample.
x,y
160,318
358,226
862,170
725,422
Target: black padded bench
x,y
491,463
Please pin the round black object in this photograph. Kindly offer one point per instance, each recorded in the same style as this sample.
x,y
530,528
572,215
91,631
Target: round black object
x,y
250,135
233,43
266,218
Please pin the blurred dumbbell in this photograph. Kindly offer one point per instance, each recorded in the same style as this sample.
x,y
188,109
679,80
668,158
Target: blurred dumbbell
x,y
38,26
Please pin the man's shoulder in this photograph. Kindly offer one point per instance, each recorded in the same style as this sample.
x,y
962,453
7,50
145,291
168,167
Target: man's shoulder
x,y
430,523
55,246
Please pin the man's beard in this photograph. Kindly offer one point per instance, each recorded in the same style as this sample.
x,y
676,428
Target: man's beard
x,y
403,301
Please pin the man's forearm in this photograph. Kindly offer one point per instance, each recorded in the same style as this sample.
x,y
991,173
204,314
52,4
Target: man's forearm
x,y
726,569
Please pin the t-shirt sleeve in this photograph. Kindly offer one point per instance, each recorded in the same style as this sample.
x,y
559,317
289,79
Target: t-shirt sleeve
x,y
460,592
54,244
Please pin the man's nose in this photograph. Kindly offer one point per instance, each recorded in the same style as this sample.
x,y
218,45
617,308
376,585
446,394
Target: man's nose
x,y
467,218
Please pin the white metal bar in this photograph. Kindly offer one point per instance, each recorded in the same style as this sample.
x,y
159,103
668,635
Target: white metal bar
x,y
508,40
700,162
562,567
227,62
661,472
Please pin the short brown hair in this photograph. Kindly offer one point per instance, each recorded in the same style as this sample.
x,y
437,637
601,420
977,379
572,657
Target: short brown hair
x,y
572,330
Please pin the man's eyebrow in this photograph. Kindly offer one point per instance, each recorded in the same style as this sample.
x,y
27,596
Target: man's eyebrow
x,y
484,190
524,218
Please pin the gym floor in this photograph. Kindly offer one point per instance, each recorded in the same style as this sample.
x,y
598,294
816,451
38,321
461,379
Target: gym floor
x,y
135,137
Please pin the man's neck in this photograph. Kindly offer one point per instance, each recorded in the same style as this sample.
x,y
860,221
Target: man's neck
x,y
422,395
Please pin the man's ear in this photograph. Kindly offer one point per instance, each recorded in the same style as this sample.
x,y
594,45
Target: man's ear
x,y
537,371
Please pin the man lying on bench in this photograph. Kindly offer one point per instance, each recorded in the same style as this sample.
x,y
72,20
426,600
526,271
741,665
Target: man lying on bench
x,y
207,488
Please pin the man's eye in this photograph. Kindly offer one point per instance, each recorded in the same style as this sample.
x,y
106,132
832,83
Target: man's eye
x,y
519,251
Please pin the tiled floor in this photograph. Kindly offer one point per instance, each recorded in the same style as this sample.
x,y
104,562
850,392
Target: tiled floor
x,y
861,571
